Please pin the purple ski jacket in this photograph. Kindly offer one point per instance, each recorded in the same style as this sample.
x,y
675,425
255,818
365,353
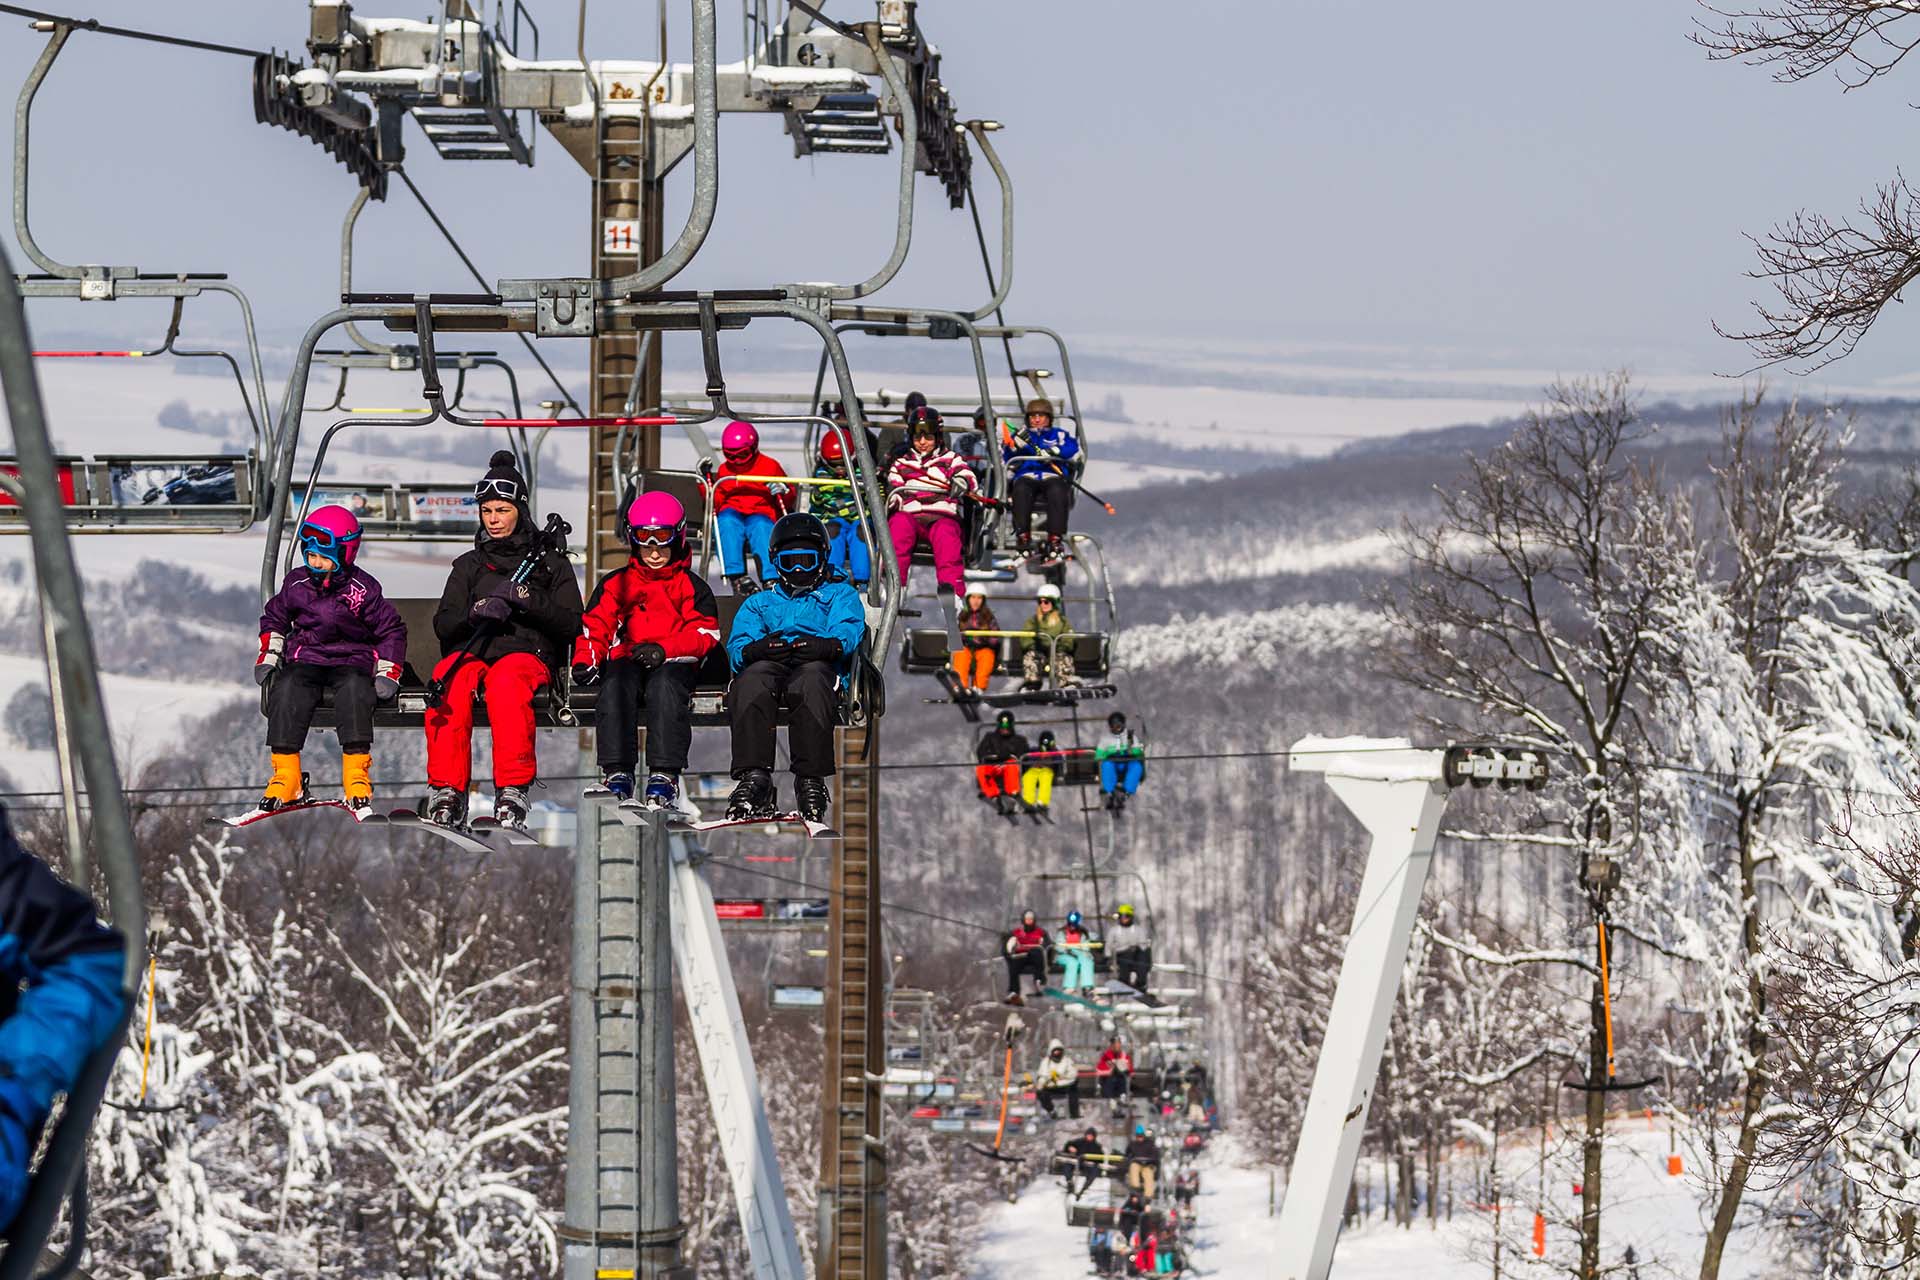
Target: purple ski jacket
x,y
349,624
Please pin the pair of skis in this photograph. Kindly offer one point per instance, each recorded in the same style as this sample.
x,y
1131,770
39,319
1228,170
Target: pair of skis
x,y
477,836
637,812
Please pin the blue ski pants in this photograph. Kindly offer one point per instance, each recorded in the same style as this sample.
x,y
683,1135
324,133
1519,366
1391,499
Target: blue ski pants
x,y
1121,775
737,532
848,551
1076,968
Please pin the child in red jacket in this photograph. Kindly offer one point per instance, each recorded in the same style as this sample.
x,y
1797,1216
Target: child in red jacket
x,y
744,511
649,626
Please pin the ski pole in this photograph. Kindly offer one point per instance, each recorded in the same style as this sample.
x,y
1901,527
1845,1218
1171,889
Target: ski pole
x,y
1105,505
553,536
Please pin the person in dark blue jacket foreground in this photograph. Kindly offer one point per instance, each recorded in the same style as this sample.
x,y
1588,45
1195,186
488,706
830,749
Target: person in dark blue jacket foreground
x,y
60,998
799,639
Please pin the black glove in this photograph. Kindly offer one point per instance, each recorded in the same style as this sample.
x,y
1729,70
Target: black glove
x,y
763,649
816,649
649,655
585,673
492,608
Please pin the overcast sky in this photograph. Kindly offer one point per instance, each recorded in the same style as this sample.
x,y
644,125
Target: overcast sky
x,y
1505,183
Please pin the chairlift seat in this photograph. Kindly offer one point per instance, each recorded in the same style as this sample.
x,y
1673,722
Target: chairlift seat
x,y
564,706
173,493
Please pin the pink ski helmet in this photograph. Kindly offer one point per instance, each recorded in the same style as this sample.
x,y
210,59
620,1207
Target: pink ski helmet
x,y
656,519
740,442
333,532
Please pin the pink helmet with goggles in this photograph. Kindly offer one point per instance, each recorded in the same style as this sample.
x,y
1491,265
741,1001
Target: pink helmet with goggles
x,y
333,532
739,441
656,519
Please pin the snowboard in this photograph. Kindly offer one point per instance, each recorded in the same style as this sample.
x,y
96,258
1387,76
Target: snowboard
x,y
815,830
368,818
463,837
1057,994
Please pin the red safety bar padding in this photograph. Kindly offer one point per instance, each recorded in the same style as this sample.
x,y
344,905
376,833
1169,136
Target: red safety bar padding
x,y
56,355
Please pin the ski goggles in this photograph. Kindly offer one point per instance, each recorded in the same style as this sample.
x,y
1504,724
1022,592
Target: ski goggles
x,y
324,541
655,536
800,560
507,490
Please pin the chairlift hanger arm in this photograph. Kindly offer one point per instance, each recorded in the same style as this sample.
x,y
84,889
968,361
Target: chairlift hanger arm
x,y
1001,288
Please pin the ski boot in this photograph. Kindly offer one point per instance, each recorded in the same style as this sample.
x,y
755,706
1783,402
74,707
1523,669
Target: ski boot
x,y
1056,552
1015,998
510,806
1119,804
812,797
288,785
743,584
1029,686
663,791
619,784
356,781
753,798
447,807
1023,543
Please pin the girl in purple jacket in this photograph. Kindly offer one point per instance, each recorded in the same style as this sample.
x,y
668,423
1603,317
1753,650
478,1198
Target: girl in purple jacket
x,y
328,628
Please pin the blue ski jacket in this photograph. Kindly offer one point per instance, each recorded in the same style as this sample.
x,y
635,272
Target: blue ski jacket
x,y
1036,455
832,611
60,998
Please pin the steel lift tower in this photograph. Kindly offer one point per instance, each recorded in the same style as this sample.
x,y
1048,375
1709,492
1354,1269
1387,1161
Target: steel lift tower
x,y
475,85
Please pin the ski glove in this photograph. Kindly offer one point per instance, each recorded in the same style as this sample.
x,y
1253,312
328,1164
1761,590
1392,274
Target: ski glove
x,y
816,649
492,608
386,680
779,490
763,649
649,655
585,673
272,645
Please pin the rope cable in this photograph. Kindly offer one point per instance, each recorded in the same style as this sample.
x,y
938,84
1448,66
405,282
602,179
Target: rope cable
x,y
154,37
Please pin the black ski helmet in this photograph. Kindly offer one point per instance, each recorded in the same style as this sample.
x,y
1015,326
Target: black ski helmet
x,y
793,536
925,419
915,400
1116,722
1004,722
1047,741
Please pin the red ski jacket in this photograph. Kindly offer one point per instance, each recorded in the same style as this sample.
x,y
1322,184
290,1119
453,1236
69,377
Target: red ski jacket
x,y
751,499
634,605
1113,1060
1021,941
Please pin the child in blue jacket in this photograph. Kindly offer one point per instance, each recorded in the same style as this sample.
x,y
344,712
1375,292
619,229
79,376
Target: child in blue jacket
x,y
799,638
72,1000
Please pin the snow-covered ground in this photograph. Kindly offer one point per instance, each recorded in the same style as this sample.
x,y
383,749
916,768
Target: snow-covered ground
x,y
145,714
1234,1234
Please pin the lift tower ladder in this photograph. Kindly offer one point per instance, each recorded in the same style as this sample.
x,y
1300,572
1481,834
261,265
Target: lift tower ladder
x,y
853,1161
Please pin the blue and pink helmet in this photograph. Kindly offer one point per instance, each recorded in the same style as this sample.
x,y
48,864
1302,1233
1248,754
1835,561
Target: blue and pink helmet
x,y
333,532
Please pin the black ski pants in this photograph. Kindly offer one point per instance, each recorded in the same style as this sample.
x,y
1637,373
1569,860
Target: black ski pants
x,y
1113,1085
1033,962
1132,965
297,690
1071,1092
753,700
1053,492
666,695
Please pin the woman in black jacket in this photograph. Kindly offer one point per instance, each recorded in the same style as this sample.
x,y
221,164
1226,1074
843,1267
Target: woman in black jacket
x,y
503,639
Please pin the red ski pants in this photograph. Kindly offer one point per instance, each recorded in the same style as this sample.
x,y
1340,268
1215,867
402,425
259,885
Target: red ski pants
x,y
942,533
509,685
1001,779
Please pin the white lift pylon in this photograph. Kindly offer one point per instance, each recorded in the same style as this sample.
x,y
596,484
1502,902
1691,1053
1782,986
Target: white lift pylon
x,y
1398,793
726,1060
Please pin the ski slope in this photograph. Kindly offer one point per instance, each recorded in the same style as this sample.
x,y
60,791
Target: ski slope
x,y
1234,1236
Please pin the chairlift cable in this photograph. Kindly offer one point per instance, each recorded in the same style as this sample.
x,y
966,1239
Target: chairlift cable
x,y
95,25
484,283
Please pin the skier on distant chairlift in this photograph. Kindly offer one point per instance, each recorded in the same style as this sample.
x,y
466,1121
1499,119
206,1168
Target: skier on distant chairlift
x,y
1131,947
998,767
646,631
744,511
329,626
1048,636
925,487
1113,1071
974,660
1040,459
840,513
1075,951
1039,768
1084,1150
1123,763
1026,955
1055,1077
